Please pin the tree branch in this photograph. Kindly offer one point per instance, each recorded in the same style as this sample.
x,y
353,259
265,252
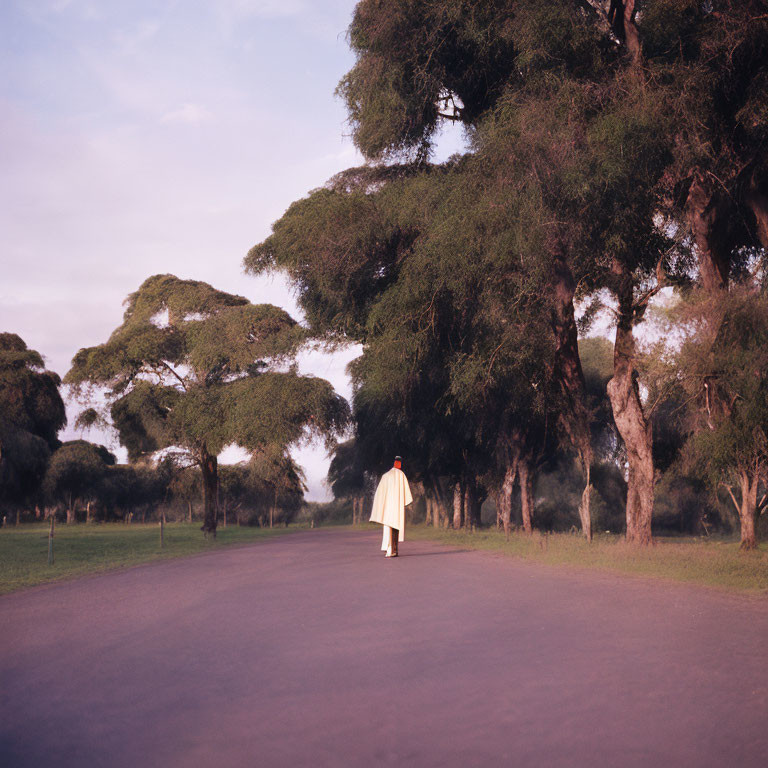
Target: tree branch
x,y
602,17
733,498
168,367
642,302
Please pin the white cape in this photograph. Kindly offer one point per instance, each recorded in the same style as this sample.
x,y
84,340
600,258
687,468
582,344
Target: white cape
x,y
392,497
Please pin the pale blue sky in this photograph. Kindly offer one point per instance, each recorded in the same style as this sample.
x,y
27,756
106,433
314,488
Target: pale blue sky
x,y
145,137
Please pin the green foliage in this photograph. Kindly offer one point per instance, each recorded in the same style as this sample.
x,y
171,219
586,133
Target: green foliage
x,y
725,368
29,396
708,62
683,505
596,355
75,473
346,473
416,61
215,335
582,158
31,415
125,490
558,491
206,376
197,369
434,281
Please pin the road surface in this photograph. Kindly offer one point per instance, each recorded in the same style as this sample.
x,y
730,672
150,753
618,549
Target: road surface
x,y
314,650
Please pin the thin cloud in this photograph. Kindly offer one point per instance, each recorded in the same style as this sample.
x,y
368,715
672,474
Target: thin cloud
x,y
189,114
131,41
268,9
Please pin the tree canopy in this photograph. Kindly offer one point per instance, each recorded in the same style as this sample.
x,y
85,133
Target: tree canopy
x,y
31,415
615,149
76,473
197,369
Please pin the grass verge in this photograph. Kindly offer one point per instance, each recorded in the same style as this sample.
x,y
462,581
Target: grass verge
x,y
714,563
81,549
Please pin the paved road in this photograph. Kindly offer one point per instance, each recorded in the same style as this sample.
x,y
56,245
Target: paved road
x,y
314,650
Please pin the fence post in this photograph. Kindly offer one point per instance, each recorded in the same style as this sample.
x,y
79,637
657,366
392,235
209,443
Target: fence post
x,y
50,541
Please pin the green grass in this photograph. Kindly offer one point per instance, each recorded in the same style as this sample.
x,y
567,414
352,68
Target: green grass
x,y
82,549
710,562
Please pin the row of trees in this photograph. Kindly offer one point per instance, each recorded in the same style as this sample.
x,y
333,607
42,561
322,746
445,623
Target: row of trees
x,y
617,154
189,371
84,479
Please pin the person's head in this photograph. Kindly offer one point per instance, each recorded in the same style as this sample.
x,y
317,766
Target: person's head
x,y
398,462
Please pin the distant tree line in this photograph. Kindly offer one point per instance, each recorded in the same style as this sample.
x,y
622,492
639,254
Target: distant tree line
x,y
617,158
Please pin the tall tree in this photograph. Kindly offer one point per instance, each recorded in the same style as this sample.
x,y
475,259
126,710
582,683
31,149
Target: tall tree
x,y
723,366
455,353
31,415
425,63
195,368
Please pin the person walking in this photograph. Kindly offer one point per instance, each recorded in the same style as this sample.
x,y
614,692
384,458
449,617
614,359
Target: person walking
x,y
393,495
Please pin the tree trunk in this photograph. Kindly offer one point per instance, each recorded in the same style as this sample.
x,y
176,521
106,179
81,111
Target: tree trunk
x,y
428,508
505,497
707,219
439,514
584,509
88,512
621,15
634,428
458,505
210,472
70,511
479,495
526,495
570,376
272,510
471,512
189,507
497,505
748,509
